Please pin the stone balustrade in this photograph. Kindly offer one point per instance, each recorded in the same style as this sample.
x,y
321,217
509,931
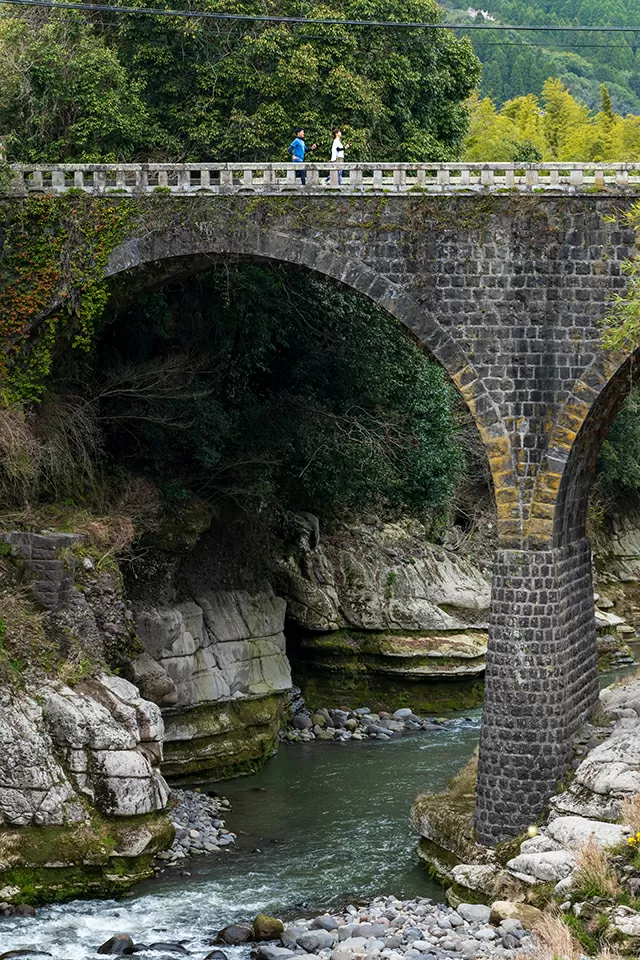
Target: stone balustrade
x,y
358,178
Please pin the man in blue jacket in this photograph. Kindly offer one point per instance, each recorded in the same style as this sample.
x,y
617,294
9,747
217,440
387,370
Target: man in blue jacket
x,y
297,150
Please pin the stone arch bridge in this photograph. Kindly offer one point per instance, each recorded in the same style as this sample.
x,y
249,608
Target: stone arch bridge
x,y
504,276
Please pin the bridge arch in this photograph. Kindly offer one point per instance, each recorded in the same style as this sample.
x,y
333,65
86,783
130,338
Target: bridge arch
x,y
161,258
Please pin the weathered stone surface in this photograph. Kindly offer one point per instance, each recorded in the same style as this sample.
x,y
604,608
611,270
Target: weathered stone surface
x,y
34,788
613,767
573,832
152,680
552,865
510,910
225,655
385,579
476,876
111,741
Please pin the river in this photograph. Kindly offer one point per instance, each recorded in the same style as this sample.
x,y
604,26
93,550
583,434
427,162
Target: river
x,y
330,822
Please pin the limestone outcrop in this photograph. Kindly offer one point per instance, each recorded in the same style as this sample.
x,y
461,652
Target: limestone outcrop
x,y
81,793
589,811
381,577
221,658
380,604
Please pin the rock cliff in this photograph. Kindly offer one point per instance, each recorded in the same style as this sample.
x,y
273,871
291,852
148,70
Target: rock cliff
x,y
379,604
81,793
223,653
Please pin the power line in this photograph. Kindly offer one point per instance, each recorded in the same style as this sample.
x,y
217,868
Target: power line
x,y
326,21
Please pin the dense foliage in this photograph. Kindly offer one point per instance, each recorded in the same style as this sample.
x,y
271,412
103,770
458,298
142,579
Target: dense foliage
x,y
516,64
293,392
554,126
91,87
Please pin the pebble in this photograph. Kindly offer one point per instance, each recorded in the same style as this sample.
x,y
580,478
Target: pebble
x,y
341,726
199,828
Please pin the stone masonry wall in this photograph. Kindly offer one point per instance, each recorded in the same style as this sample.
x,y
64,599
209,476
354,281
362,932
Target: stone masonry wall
x,y
541,682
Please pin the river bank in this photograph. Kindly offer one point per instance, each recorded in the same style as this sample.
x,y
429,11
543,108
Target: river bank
x,y
318,827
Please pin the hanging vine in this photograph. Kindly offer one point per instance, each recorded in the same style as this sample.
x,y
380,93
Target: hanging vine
x,y
53,254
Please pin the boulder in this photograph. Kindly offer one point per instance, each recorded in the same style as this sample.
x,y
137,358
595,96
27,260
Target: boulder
x,y
473,912
315,940
550,866
235,933
272,952
119,945
290,935
573,832
267,928
613,767
626,921
509,910
216,955
476,876
152,680
325,922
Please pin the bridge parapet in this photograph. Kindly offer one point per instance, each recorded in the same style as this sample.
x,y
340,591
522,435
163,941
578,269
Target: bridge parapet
x,y
357,178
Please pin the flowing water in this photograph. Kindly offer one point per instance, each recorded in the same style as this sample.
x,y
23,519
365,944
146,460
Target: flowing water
x,y
320,825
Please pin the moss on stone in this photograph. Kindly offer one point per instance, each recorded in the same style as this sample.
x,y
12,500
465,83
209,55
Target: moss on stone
x,y
446,821
99,858
223,740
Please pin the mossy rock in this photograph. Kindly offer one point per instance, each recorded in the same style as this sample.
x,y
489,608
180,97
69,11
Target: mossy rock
x,y
267,928
100,858
445,820
218,741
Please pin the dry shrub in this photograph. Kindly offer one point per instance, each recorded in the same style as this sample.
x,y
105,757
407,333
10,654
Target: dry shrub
x,y
113,533
19,456
609,953
140,499
594,875
631,812
554,940
53,450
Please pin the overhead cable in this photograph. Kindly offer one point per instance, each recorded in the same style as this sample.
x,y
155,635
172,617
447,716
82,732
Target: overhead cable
x,y
312,21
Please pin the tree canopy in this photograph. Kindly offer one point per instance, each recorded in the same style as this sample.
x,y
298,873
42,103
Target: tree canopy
x,y
75,89
554,126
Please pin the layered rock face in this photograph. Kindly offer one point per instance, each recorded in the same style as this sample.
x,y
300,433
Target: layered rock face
x,y
221,673
81,793
378,600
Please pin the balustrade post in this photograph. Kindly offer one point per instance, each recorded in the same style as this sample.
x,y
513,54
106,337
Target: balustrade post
x,y
142,181
598,176
355,178
247,178
531,177
37,180
465,177
377,179
163,178
184,181
57,181
313,177
622,177
205,179
78,179
486,177
576,176
444,177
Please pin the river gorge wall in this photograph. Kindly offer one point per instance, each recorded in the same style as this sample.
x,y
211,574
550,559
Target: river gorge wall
x,y
171,669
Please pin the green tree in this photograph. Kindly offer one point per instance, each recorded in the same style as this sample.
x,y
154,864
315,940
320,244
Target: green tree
x,y
66,96
173,88
308,397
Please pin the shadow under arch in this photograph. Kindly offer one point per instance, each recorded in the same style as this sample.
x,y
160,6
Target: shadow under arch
x,y
570,517
157,258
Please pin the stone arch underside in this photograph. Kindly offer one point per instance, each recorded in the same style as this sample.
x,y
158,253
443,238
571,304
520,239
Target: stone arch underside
x,y
157,256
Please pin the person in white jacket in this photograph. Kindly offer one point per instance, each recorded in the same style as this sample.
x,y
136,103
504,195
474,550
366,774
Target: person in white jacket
x,y
337,151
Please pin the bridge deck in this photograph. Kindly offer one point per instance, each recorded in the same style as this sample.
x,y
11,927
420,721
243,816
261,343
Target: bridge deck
x,y
357,178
